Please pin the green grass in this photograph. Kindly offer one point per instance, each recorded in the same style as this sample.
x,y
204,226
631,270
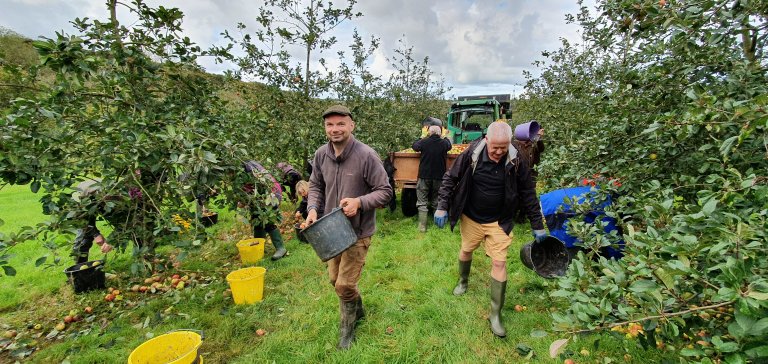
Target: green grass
x,y
412,315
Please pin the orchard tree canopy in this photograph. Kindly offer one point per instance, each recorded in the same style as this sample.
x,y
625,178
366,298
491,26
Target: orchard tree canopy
x,y
670,98
130,107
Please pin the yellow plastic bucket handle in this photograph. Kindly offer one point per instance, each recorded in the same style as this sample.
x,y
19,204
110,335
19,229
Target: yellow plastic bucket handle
x,y
199,332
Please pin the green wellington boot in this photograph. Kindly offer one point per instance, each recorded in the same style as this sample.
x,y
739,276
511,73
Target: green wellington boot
x,y
423,221
277,241
359,310
464,268
498,291
348,313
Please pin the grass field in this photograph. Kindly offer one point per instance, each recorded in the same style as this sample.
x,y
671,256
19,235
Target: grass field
x,y
412,316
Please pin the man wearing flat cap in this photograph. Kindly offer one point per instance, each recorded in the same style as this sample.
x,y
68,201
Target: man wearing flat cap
x,y
349,174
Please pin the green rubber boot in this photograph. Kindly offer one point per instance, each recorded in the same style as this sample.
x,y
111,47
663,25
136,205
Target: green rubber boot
x,y
461,287
498,291
277,241
348,313
423,221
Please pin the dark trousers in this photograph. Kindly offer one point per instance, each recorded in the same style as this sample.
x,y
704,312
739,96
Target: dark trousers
x,y
426,193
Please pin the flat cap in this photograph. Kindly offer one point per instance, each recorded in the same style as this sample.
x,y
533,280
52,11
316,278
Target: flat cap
x,y
337,109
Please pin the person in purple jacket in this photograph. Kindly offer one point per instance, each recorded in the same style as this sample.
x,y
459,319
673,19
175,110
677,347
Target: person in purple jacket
x,y
349,174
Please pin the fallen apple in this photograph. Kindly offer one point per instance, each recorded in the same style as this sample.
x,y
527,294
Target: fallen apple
x,y
261,332
175,276
518,308
88,309
109,297
9,334
180,285
116,292
38,327
60,326
149,281
68,319
135,288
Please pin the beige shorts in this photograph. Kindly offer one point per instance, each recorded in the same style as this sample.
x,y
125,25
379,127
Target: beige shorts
x,y
496,240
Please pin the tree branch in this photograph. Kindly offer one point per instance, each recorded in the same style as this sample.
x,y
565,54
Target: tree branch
x,y
662,316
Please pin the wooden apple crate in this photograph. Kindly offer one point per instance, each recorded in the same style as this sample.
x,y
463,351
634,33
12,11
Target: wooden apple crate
x,y
407,167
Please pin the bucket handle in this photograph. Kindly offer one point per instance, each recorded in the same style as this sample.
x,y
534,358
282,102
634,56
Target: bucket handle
x,y
202,337
199,332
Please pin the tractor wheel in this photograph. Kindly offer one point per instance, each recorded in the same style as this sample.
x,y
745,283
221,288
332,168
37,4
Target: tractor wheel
x,y
408,202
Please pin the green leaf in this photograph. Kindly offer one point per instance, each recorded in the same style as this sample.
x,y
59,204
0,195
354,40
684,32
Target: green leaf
x,y
710,206
643,285
758,352
735,359
762,296
523,349
538,333
691,352
40,261
725,148
651,128
664,277
9,271
759,328
34,186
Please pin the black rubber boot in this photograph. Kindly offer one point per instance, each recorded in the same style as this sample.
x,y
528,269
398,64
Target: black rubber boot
x,y
464,268
498,291
348,311
359,310
277,241
423,221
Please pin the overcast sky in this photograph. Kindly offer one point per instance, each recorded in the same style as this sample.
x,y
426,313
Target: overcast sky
x,y
479,46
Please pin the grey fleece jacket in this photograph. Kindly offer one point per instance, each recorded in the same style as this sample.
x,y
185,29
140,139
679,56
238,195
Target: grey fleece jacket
x,y
357,172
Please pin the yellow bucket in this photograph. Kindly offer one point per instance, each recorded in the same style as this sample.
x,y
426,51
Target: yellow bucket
x,y
178,347
251,250
247,285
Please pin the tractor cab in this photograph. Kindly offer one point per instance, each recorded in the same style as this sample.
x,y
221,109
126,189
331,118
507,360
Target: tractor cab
x,y
469,118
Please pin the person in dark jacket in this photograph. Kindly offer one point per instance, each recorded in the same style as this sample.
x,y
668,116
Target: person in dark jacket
x,y
261,228
482,190
434,150
290,176
347,174
89,234
302,188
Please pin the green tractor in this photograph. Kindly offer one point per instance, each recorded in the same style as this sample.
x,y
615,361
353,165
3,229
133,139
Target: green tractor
x,y
470,116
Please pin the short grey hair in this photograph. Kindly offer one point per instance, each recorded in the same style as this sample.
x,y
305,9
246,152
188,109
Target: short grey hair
x,y
434,129
499,130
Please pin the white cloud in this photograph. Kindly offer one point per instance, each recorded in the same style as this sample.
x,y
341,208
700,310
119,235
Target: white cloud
x,y
475,44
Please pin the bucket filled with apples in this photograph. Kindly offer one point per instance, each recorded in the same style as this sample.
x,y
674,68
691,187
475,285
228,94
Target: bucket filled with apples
x,y
86,276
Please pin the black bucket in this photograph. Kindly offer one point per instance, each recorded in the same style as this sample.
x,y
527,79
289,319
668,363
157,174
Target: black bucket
x,y
299,235
548,258
86,276
330,235
208,220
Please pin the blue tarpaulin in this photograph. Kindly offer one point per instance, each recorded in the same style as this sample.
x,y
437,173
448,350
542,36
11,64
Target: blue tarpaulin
x,y
557,213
